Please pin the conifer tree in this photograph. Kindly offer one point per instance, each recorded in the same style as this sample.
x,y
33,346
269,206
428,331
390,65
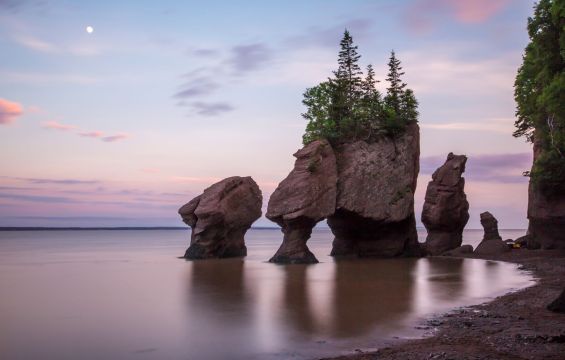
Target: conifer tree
x,y
346,87
396,89
371,104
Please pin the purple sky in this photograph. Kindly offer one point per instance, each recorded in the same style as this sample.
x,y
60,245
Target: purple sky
x,y
121,126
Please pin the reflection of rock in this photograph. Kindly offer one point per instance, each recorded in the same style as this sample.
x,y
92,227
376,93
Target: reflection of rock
x,y
220,217
446,277
558,305
446,210
218,283
296,299
492,243
546,214
461,250
375,197
363,297
306,196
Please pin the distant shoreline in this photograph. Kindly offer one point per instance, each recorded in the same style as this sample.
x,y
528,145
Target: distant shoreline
x,y
93,228
75,228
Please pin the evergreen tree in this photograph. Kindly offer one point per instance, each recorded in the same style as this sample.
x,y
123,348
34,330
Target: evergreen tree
x,y
396,89
539,91
349,107
349,71
370,104
408,107
346,87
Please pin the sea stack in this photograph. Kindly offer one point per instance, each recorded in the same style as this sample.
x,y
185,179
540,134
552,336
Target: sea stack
x,y
220,217
446,210
306,196
374,213
492,243
365,190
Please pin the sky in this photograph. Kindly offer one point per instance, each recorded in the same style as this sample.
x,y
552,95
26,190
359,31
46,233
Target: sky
x,y
122,125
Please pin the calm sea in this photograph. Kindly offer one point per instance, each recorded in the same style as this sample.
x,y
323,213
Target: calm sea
x,y
111,294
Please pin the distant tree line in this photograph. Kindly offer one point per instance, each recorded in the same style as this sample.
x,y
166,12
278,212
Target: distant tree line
x,y
539,91
348,106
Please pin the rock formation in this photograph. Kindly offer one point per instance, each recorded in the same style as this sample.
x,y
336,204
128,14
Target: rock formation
x,y
305,197
558,305
490,225
374,213
446,210
220,217
365,190
546,214
492,243
459,251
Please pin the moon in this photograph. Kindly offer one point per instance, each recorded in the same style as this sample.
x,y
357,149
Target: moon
x,y
89,29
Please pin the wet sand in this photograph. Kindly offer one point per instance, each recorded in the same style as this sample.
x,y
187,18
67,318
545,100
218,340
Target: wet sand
x,y
513,326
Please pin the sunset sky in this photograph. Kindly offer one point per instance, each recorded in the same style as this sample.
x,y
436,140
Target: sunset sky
x,y
123,125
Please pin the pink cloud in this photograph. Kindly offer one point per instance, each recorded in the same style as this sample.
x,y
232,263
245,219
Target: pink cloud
x,y
476,11
117,137
150,170
92,134
57,126
420,15
9,111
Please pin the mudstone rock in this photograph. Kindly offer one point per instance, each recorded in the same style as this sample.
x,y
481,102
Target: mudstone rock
x,y
220,217
446,210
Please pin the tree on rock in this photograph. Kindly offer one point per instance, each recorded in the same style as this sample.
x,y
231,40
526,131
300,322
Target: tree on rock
x,y
396,89
539,91
349,107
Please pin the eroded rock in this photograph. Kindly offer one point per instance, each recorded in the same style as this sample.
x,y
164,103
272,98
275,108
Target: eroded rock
x,y
459,251
374,212
306,196
446,210
220,217
492,243
546,214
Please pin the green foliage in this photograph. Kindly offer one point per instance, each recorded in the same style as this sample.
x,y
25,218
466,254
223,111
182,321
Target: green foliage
x,y
349,107
396,89
539,92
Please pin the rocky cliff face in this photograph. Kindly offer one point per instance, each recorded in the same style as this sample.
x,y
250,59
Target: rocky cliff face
x,y
220,217
546,214
374,213
305,197
366,191
446,210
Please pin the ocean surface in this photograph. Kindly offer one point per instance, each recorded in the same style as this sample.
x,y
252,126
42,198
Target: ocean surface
x,y
111,294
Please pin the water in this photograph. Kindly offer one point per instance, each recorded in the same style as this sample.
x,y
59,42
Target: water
x,y
125,295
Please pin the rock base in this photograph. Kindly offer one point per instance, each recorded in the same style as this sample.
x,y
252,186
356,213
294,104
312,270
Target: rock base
x,y
358,236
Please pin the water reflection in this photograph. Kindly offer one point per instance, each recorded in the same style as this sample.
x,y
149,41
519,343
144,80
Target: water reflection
x,y
297,300
367,293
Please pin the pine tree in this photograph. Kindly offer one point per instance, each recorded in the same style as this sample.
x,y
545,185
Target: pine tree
x,y
346,87
396,89
349,71
408,107
371,104
539,91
